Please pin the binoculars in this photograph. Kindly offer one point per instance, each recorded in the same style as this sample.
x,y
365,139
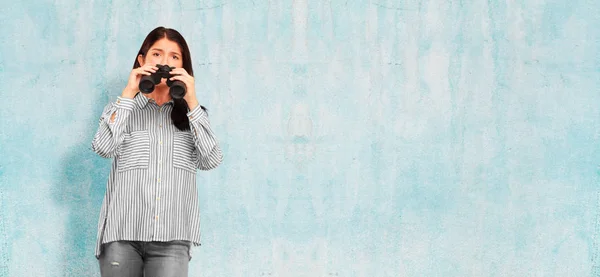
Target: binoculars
x,y
177,89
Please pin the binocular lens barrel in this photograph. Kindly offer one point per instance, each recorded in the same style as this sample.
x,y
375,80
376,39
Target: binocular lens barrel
x,y
177,90
146,84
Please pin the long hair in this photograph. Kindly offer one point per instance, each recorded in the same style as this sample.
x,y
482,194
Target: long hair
x,y
180,109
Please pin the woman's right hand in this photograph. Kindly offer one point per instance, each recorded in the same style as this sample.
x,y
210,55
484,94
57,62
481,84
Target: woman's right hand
x,y
135,76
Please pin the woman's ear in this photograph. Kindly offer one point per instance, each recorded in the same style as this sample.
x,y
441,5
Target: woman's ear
x,y
140,59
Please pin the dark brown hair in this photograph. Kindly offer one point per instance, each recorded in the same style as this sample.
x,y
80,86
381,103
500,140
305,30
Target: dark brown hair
x,y
181,108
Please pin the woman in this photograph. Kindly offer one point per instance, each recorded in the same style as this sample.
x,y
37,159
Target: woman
x,y
150,216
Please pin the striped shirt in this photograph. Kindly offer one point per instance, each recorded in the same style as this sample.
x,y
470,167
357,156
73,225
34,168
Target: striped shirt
x,y
151,193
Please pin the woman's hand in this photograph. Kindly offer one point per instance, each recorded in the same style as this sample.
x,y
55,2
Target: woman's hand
x,y
135,76
190,96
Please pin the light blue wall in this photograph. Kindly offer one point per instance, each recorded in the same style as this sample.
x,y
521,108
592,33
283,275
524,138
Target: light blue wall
x,y
361,138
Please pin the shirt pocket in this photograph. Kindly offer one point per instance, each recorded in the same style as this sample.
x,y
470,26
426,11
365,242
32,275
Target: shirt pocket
x,y
135,151
183,151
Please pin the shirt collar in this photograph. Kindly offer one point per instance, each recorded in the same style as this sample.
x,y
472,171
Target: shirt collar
x,y
141,100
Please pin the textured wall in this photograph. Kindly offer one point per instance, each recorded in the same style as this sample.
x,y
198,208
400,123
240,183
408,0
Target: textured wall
x,y
361,138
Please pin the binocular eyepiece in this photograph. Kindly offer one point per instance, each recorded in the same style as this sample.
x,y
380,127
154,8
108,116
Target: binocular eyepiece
x,y
177,89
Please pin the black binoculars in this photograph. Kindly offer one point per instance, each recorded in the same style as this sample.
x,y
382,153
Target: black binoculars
x,y
177,89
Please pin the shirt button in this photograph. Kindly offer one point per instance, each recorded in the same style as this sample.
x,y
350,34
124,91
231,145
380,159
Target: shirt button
x,y
160,142
156,217
157,198
159,180
160,126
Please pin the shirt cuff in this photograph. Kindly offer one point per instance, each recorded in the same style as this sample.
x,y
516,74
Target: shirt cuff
x,y
196,114
125,103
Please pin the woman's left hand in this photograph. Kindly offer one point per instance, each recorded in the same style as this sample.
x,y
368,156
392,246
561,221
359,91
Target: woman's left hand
x,y
190,96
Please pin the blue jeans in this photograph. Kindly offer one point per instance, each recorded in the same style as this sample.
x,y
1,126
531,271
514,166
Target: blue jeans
x,y
147,259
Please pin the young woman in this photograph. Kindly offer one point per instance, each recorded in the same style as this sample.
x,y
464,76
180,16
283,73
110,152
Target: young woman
x,y
150,216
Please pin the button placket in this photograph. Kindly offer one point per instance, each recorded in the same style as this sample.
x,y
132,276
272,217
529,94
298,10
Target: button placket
x,y
159,169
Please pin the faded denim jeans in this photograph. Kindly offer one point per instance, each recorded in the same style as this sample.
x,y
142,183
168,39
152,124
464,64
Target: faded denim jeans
x,y
147,259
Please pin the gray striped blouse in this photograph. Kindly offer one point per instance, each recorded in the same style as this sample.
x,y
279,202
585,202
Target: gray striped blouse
x,y
151,194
